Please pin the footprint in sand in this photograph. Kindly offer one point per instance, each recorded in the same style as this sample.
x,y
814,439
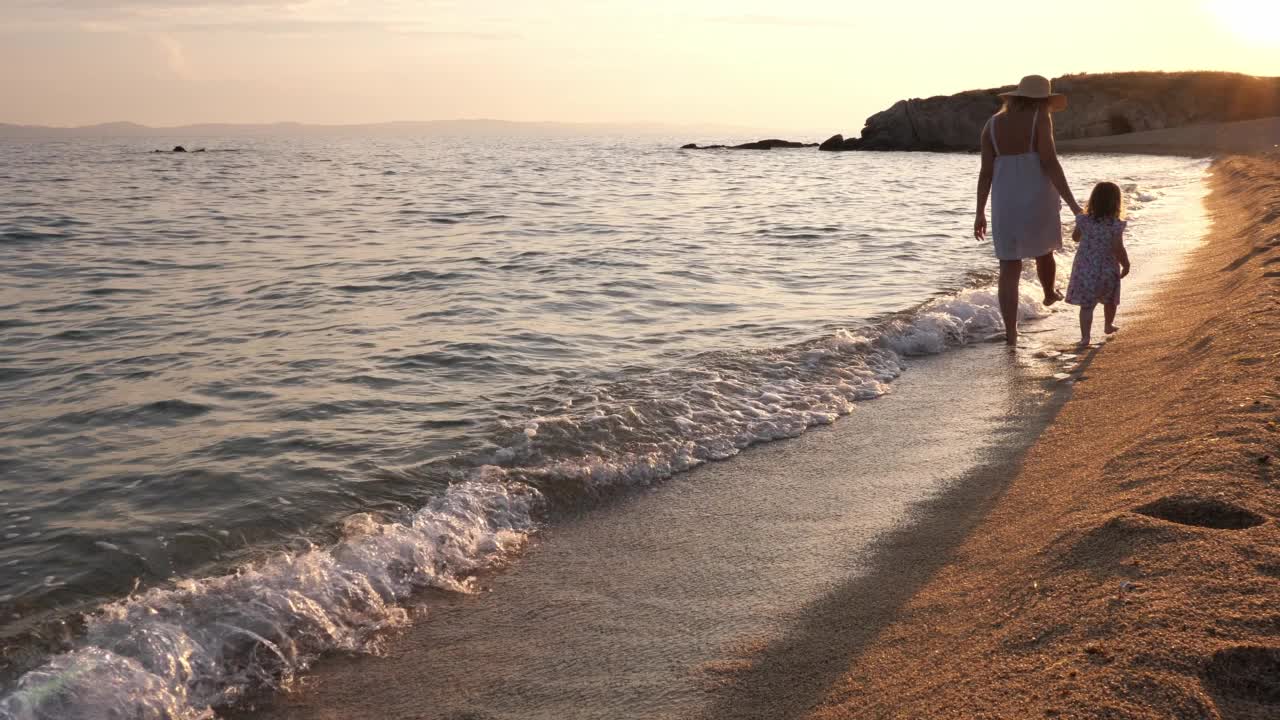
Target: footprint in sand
x,y
1249,673
1201,512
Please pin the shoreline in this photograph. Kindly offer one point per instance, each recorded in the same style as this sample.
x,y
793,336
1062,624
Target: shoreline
x,y
628,611
1132,566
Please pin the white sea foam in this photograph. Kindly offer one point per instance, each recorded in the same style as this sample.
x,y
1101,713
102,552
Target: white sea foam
x,y
664,423
174,653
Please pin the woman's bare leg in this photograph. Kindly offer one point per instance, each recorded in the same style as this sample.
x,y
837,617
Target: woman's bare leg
x,y
1047,269
1010,275
1109,312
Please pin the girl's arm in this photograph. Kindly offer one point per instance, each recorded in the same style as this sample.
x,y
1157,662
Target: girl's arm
x,y
984,183
1049,161
1075,235
1121,255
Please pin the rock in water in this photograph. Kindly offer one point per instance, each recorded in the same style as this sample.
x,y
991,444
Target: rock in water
x,y
757,145
833,143
771,144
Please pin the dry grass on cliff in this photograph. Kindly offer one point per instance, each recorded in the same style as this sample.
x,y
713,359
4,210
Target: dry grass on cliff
x,y
1205,95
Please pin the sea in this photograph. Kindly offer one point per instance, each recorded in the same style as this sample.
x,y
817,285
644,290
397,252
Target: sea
x,y
257,400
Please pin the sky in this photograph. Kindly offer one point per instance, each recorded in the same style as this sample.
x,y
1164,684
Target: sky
x,y
820,65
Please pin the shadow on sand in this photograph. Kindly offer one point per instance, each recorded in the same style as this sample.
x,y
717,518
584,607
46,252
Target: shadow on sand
x,y
790,677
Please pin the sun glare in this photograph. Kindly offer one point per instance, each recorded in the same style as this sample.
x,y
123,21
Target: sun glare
x,y
1254,21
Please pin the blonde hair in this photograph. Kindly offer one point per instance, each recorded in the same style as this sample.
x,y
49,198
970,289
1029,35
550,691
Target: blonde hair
x,y
1106,201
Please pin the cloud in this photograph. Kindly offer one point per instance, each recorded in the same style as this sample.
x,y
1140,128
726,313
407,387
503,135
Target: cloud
x,y
781,21
129,5
174,54
325,27
266,17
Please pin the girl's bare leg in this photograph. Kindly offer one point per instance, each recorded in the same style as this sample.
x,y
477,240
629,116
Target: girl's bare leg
x,y
1010,275
1109,312
1047,269
1086,323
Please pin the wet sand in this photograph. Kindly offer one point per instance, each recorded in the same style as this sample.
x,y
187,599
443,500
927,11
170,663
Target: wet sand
x,y
1132,569
645,608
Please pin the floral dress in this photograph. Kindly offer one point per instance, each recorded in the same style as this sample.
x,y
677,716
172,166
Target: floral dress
x,y
1095,273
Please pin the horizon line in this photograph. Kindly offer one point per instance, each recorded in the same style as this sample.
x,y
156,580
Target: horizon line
x,y
437,121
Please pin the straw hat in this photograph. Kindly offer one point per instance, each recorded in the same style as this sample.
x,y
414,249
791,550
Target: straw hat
x,y
1039,88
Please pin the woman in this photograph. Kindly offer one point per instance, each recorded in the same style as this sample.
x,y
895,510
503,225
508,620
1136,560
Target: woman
x,y
1022,175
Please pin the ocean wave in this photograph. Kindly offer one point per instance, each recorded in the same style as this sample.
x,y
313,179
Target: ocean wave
x,y
176,653
179,652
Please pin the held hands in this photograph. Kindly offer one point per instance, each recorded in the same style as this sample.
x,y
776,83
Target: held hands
x,y
980,226
1124,270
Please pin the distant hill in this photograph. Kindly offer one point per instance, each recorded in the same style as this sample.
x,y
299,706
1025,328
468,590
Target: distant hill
x,y
1099,105
445,128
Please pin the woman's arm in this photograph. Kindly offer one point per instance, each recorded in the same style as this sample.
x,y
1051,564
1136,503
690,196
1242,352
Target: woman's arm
x,y
1049,161
984,183
1121,255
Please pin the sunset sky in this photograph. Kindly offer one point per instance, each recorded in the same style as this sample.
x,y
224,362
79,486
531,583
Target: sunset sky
x,y
801,64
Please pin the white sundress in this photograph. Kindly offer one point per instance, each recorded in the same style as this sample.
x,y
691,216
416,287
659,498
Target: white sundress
x,y
1025,207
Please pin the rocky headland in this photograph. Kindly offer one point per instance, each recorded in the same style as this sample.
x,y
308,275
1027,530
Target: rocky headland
x,y
1100,105
1110,104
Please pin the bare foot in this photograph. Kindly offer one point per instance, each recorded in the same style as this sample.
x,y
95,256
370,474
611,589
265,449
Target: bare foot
x,y
1011,339
1113,329
1084,343
1051,298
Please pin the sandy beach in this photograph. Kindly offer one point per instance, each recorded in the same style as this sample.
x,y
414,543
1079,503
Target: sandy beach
x,y
1250,136
1132,568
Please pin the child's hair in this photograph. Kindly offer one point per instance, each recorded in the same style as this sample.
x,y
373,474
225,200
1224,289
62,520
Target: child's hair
x,y
1106,201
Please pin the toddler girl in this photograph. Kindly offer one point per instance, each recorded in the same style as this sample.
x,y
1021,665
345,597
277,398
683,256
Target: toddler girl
x,y
1101,259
